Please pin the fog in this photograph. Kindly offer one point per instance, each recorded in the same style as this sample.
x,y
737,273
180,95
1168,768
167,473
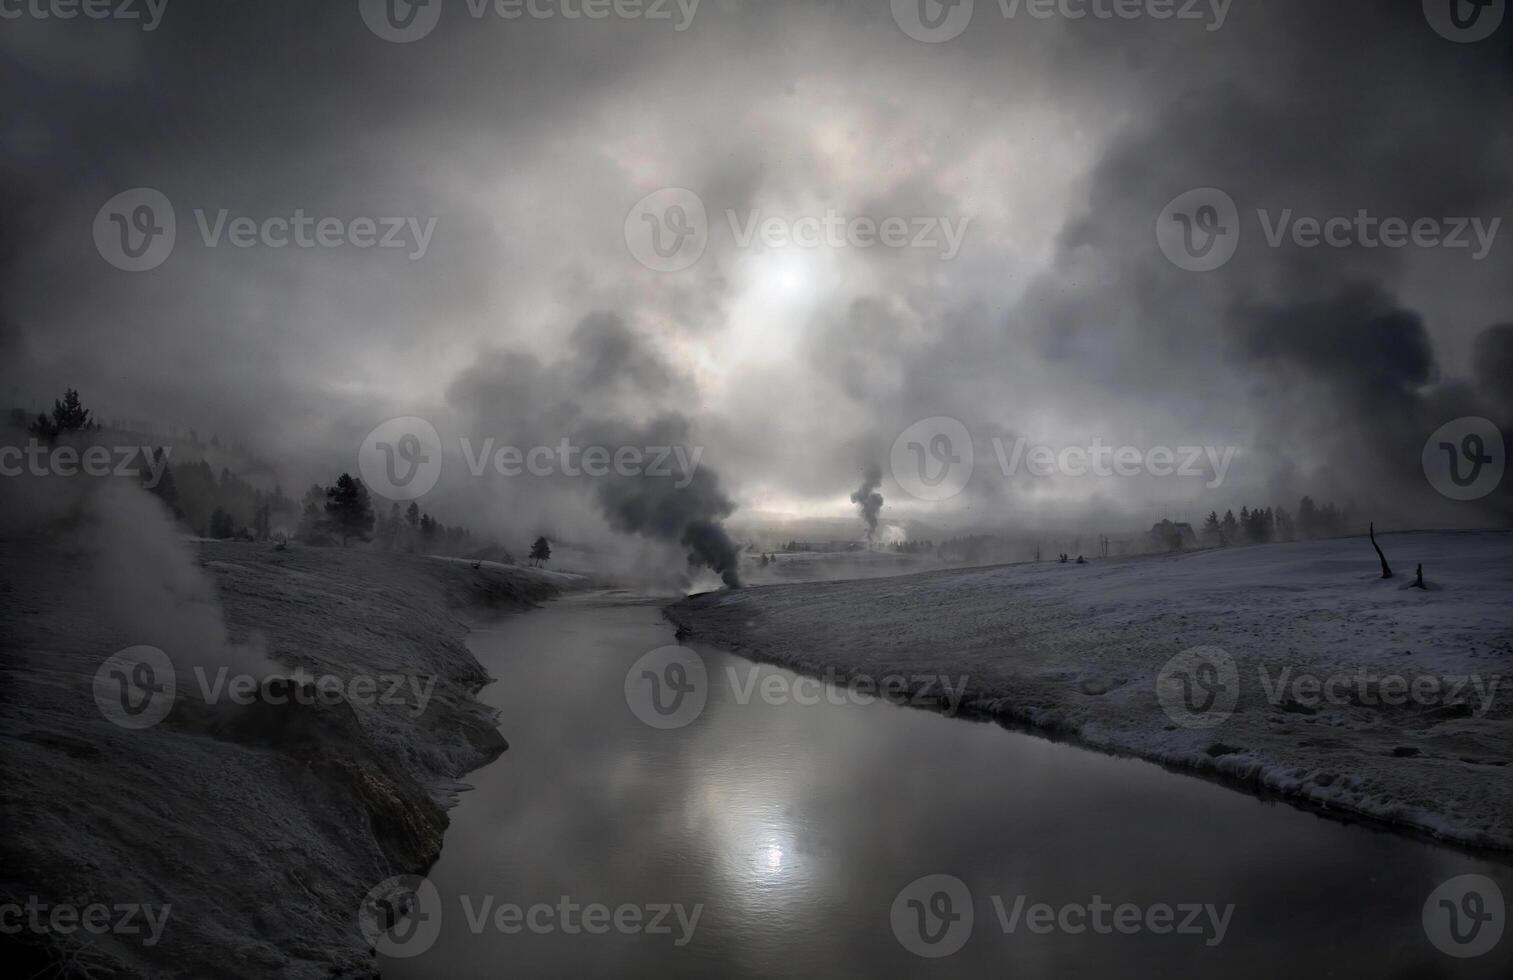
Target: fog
x,y
1034,156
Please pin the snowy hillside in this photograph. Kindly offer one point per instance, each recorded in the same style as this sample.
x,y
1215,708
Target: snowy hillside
x,y
1350,692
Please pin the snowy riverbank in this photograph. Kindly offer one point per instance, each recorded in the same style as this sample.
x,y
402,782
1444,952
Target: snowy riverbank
x,y
257,827
1318,644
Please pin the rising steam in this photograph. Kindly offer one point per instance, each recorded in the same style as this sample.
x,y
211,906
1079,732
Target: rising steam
x,y
868,500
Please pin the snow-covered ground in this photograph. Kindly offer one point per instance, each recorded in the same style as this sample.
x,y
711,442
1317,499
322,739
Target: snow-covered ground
x,y
260,827
1305,639
816,566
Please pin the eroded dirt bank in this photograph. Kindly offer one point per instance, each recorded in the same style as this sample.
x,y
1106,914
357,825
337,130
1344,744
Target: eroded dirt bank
x,y
257,827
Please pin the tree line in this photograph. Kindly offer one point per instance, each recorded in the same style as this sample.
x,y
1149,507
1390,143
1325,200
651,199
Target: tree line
x,y
1265,524
225,506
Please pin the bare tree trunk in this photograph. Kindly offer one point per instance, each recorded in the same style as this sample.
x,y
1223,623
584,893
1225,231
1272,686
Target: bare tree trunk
x,y
1386,569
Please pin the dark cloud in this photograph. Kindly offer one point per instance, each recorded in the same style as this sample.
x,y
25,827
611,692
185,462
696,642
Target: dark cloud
x,y
529,141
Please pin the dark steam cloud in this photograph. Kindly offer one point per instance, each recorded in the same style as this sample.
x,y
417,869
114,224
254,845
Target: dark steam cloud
x,y
687,509
868,500
674,498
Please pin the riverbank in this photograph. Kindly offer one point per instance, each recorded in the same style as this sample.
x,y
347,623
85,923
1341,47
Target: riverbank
x,y
1076,650
256,827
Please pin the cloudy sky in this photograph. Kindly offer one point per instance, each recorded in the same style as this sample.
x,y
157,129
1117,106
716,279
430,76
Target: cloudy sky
x,y
1031,158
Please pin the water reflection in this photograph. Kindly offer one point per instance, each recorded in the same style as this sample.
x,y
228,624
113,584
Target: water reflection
x,y
793,828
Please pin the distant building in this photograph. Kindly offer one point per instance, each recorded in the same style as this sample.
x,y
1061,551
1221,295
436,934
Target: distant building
x,y
1172,536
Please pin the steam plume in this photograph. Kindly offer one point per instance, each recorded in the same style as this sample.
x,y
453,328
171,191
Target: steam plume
x,y
868,500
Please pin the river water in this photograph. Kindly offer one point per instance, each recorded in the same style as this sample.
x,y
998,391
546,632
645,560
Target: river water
x,y
799,832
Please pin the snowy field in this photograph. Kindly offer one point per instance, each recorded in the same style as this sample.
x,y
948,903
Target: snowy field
x,y
259,826
1298,671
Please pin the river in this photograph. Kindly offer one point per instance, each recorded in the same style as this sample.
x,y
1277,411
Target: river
x,y
799,829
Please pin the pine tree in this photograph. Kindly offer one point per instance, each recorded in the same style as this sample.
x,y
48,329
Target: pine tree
x,y
1308,518
349,510
312,516
221,525
541,550
165,489
69,415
